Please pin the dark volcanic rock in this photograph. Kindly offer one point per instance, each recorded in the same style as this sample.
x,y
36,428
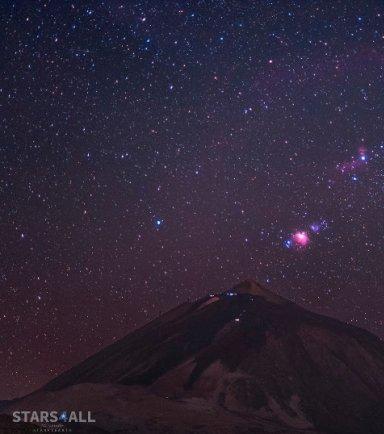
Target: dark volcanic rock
x,y
242,361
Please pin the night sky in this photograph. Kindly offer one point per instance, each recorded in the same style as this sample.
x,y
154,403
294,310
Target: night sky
x,y
154,151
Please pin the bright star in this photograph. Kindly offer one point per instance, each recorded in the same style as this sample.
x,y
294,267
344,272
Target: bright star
x,y
159,222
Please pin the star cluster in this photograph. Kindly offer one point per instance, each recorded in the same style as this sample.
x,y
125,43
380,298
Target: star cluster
x,y
152,152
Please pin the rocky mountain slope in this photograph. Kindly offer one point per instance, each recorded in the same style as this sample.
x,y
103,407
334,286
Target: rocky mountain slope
x,y
242,361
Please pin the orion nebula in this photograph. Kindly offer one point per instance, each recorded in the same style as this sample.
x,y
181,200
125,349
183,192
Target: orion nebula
x,y
301,238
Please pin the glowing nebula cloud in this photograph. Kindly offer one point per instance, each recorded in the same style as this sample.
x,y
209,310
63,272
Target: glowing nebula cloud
x,y
301,238
316,227
355,163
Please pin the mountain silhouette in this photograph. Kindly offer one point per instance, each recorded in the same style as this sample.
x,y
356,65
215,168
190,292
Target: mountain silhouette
x,y
240,361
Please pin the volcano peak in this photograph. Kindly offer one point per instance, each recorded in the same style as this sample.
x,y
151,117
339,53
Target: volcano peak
x,y
252,287
243,360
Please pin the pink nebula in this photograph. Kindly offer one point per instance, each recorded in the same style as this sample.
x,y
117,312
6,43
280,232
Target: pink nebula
x,y
300,238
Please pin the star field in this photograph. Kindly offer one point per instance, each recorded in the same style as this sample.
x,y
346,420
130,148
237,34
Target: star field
x,y
152,152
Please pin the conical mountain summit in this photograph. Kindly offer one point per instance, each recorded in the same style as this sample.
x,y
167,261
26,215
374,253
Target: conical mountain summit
x,y
240,361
